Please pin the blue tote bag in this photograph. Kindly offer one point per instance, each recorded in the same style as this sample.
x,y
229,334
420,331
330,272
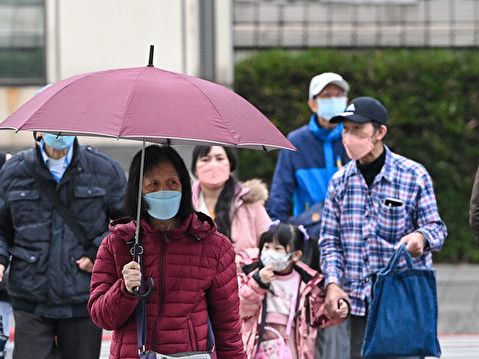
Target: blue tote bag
x,y
402,317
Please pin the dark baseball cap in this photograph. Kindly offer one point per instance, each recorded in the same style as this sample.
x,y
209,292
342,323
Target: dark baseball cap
x,y
363,110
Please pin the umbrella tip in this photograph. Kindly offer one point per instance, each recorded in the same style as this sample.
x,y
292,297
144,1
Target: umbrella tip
x,y
150,60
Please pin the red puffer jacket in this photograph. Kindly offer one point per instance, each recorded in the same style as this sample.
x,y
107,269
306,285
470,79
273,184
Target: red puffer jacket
x,y
194,273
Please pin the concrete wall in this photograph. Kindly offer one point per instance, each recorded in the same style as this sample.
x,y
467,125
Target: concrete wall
x,y
356,23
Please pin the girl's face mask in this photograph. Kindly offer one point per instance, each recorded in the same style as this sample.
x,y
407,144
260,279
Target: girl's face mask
x,y
278,261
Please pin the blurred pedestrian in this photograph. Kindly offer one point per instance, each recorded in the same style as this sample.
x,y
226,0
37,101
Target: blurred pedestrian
x,y
56,201
237,208
474,208
281,304
376,202
191,264
301,179
5,307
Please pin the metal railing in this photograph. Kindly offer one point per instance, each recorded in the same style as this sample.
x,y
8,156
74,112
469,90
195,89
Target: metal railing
x,y
355,23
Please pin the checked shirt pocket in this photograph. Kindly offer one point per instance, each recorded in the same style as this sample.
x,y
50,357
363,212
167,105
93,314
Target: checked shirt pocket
x,y
391,222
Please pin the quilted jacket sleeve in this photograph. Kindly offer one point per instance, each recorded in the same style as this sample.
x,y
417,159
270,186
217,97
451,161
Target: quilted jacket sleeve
x,y
110,305
223,306
251,296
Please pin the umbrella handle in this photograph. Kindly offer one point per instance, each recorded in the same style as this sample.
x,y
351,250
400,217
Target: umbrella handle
x,y
136,291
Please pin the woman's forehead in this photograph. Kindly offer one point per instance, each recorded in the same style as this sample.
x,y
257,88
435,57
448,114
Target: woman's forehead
x,y
217,150
162,169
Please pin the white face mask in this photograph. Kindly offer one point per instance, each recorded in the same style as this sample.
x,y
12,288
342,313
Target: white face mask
x,y
330,107
278,261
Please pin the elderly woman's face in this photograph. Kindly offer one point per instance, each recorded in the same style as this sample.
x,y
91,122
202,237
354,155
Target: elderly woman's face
x,y
162,177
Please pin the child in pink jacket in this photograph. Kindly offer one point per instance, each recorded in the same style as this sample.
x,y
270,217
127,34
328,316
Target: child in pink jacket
x,y
281,297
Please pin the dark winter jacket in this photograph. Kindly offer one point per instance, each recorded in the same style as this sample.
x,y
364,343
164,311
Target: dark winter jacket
x,y
301,178
194,275
44,277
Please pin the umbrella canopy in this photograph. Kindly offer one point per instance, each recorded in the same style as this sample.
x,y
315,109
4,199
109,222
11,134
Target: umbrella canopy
x,y
147,103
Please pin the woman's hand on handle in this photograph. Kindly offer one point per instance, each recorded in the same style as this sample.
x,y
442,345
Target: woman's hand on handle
x,y
131,275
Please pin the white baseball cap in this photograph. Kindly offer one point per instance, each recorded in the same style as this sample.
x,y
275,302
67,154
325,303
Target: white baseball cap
x,y
319,82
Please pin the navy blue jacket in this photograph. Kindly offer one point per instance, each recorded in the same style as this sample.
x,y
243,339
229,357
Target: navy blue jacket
x,y
44,278
301,178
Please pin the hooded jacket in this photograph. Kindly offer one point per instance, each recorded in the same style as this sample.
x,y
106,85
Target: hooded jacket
x,y
301,178
249,218
44,277
194,276
310,312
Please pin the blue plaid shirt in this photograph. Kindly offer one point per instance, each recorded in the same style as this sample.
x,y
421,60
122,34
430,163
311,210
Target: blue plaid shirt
x,y
359,231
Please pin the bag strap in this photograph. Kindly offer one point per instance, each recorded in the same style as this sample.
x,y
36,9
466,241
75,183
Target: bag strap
x,y
141,315
400,252
292,310
52,195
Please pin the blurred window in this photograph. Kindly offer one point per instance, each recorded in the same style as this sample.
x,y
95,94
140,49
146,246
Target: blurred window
x,y
22,42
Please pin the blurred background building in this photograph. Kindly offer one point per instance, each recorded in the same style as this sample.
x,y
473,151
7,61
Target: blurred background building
x,y
43,41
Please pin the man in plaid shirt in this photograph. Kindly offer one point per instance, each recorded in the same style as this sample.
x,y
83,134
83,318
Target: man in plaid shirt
x,y
377,201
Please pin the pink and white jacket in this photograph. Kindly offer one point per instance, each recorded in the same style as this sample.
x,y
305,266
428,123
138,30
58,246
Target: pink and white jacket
x,y
310,313
249,218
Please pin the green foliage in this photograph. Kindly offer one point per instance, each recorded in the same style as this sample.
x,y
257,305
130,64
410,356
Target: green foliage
x,y
433,100
25,64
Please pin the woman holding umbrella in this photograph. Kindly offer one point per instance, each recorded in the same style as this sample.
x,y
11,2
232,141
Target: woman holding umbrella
x,y
237,208
191,266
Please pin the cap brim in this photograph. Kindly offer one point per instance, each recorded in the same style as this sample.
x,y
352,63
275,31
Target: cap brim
x,y
341,83
350,116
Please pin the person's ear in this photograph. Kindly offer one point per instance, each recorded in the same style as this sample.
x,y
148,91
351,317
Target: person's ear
x,y
313,105
296,255
382,130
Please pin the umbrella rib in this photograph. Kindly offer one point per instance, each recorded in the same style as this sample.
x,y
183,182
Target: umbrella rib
x,y
230,129
128,102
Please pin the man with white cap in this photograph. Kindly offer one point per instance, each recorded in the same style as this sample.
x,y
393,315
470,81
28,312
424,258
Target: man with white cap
x,y
378,201
301,179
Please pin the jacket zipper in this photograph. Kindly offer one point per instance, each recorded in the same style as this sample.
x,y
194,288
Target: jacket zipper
x,y
164,247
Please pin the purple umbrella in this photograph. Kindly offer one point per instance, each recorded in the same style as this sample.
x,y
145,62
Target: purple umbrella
x,y
148,104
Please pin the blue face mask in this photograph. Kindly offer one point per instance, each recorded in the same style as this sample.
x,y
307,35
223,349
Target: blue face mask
x,y
329,107
163,204
58,143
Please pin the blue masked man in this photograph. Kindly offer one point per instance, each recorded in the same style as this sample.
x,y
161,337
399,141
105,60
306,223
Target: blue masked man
x,y
300,181
301,178
56,201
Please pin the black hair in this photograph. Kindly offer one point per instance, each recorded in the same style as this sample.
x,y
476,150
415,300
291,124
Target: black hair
x,y
226,197
289,235
154,155
3,158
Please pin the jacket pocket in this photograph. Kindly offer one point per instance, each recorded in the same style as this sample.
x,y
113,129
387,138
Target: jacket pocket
x,y
192,335
89,202
23,273
24,206
391,222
